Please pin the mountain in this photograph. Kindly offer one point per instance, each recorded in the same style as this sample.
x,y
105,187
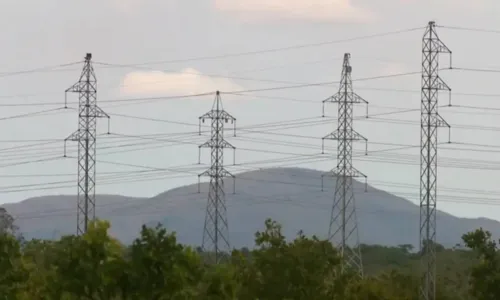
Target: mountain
x,y
291,196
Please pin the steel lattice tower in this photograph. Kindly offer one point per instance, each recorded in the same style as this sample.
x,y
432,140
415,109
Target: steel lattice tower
x,y
88,112
430,122
343,228
216,229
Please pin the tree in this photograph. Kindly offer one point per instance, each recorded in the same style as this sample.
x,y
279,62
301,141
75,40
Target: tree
x,y
7,222
90,266
391,285
95,266
12,274
306,268
39,257
485,276
220,282
161,268
406,248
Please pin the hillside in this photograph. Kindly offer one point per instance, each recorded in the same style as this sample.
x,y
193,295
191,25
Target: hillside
x,y
290,196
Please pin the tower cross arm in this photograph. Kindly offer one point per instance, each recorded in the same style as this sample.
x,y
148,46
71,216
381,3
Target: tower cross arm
x,y
221,114
221,173
440,47
441,85
226,116
340,97
334,99
99,113
76,88
214,144
351,135
440,121
343,97
358,99
75,136
350,172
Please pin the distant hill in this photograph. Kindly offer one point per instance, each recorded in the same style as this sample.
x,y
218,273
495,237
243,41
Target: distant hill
x,y
291,196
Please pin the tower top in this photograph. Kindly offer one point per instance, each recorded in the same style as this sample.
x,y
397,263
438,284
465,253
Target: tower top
x,y
432,23
88,56
347,63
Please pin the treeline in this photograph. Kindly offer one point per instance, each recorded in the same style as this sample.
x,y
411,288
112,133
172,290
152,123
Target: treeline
x,y
95,266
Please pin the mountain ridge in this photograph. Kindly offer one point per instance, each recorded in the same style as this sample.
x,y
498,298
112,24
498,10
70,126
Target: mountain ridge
x,y
291,196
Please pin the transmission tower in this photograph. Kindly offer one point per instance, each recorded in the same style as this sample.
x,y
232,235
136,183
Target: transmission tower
x,y
216,229
88,112
430,122
343,228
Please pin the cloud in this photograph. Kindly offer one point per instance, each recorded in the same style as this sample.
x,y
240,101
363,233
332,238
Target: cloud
x,y
187,82
393,68
321,10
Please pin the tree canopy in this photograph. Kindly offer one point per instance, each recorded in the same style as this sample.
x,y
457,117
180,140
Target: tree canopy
x,y
95,266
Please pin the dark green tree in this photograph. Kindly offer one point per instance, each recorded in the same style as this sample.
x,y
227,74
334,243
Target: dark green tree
x,y
90,266
161,268
485,276
306,268
13,275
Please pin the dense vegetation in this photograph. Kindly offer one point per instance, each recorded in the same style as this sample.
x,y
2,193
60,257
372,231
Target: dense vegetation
x,y
97,267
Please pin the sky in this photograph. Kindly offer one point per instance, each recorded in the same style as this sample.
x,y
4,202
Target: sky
x,y
148,53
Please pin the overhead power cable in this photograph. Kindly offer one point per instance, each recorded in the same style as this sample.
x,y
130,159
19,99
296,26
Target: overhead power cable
x,y
484,30
294,47
319,83
37,70
126,205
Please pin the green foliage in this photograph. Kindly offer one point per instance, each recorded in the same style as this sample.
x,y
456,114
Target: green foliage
x,y
305,268
387,286
220,283
12,272
95,266
89,266
485,276
38,258
160,268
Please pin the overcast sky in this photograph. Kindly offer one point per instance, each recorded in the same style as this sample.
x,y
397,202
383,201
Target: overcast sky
x,y
169,38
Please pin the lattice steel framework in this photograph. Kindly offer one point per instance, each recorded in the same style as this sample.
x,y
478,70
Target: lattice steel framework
x,y
88,112
216,229
430,122
343,230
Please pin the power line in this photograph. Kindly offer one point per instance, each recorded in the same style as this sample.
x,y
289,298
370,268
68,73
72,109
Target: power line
x,y
403,159
298,124
294,47
276,126
373,193
37,70
470,29
206,75
477,70
32,114
140,100
320,83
